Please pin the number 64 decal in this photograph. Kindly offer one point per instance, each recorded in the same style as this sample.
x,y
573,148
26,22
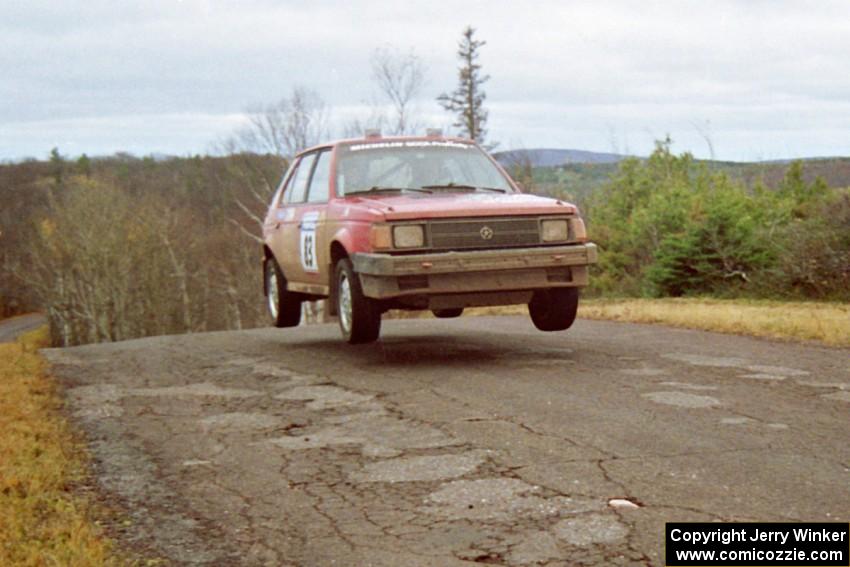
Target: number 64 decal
x,y
307,247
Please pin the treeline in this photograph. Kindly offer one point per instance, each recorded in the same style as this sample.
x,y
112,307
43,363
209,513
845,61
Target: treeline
x,y
670,226
577,181
119,248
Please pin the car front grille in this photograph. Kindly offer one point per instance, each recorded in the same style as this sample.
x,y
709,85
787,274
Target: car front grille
x,y
484,233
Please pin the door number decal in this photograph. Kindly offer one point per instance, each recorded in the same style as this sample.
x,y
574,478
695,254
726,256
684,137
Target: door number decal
x,y
309,261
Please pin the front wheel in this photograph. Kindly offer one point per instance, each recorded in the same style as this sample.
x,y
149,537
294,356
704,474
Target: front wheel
x,y
554,309
359,316
283,305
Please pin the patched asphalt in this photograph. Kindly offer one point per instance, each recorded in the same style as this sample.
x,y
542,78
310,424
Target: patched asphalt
x,y
475,440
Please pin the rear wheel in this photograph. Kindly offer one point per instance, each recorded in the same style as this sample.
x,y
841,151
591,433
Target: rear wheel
x,y
283,305
447,313
554,309
359,316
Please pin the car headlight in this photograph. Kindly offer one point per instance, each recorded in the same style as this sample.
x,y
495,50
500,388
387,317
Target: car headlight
x,y
555,230
409,236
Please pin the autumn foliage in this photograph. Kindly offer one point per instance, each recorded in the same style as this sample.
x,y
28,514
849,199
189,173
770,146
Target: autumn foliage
x,y
120,247
140,247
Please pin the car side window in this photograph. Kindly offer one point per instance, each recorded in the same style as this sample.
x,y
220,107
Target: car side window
x,y
321,178
297,191
278,199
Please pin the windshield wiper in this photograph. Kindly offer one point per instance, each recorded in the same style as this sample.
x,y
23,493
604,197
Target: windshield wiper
x,y
463,187
378,189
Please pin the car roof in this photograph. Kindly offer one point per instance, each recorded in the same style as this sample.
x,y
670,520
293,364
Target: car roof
x,y
384,139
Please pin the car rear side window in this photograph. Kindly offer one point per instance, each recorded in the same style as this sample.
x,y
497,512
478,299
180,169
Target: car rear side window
x,y
321,178
297,191
278,199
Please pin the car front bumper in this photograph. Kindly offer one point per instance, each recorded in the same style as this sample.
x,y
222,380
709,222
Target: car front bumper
x,y
385,276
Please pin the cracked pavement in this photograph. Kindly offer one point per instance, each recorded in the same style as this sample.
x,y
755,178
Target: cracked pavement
x,y
477,440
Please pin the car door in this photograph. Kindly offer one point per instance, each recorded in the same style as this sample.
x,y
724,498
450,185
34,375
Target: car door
x,y
285,241
313,235
302,234
273,222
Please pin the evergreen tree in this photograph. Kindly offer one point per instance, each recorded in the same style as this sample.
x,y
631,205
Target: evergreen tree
x,y
57,165
467,100
84,165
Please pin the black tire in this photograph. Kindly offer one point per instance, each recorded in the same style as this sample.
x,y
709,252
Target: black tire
x,y
360,319
554,309
447,313
284,306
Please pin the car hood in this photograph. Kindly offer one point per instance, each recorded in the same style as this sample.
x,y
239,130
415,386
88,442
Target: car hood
x,y
406,207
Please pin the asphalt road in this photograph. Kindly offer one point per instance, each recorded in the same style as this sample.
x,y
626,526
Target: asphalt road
x,y
11,328
455,442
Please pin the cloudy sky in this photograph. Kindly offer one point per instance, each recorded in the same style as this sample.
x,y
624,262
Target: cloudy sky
x,y
751,79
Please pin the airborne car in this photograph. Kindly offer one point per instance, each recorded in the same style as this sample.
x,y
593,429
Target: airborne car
x,y
428,222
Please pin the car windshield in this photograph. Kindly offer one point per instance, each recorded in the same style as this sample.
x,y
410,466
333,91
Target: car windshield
x,y
416,164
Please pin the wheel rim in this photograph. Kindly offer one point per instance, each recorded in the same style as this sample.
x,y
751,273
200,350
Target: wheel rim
x,y
345,303
271,278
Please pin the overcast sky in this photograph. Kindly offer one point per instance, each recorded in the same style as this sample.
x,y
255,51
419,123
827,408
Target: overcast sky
x,y
759,80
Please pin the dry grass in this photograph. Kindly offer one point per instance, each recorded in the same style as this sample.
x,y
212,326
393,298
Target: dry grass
x,y
825,322
41,521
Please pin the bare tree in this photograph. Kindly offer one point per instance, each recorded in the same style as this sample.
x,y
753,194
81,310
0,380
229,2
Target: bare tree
x,y
375,120
400,77
705,133
91,270
281,129
287,126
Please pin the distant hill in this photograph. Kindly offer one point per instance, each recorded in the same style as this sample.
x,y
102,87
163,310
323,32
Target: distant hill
x,y
549,157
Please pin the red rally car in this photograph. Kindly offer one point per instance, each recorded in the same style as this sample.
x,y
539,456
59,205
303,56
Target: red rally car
x,y
428,222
